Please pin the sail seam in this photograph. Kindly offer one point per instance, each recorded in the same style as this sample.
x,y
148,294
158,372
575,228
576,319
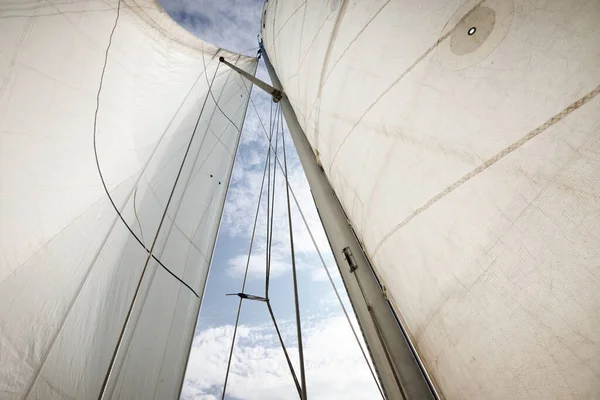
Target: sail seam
x,y
506,151
332,38
13,58
393,84
354,40
288,19
50,346
300,44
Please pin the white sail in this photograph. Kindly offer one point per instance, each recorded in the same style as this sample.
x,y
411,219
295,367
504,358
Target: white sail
x,y
462,142
70,265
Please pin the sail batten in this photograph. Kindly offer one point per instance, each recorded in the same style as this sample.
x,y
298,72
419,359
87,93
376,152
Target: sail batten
x,y
70,263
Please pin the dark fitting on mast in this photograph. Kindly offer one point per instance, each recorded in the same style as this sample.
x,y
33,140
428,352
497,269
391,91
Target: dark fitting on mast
x,y
350,259
275,93
248,297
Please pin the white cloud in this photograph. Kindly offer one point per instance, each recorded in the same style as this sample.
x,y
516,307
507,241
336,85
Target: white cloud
x,y
335,366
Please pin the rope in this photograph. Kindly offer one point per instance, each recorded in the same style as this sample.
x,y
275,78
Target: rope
x,y
139,284
95,129
294,274
329,277
216,103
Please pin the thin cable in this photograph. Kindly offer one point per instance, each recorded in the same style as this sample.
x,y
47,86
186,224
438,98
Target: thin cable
x,y
268,202
270,235
98,162
294,274
237,318
329,277
270,210
217,104
287,357
158,229
354,333
274,122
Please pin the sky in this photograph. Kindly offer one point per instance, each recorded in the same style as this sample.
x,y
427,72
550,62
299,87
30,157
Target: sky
x,y
335,366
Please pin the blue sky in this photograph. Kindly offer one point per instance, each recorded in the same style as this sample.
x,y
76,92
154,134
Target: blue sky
x,y
335,366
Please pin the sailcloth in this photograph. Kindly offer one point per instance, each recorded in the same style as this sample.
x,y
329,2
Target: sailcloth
x,y
104,109
463,142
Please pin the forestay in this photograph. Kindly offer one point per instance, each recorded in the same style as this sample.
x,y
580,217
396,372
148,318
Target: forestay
x,y
70,265
463,142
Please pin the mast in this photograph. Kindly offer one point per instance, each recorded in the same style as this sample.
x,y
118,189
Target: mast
x,y
398,367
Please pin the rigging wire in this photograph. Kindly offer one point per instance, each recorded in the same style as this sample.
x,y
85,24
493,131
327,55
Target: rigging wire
x,y
269,147
158,229
273,123
294,273
287,357
347,316
237,318
329,277
270,229
242,295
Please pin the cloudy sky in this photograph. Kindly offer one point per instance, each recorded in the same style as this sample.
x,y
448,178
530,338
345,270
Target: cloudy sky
x,y
335,366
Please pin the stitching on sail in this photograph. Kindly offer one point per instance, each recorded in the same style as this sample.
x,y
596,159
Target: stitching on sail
x,y
355,39
17,49
288,20
50,346
506,151
334,33
406,72
63,229
300,46
317,35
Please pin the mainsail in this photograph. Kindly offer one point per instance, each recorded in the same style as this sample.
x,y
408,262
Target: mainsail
x,y
462,141
114,166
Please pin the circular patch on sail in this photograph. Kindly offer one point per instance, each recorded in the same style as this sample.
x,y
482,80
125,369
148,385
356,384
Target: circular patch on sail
x,y
473,32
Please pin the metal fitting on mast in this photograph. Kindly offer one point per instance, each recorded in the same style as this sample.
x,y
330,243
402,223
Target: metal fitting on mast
x,y
275,93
